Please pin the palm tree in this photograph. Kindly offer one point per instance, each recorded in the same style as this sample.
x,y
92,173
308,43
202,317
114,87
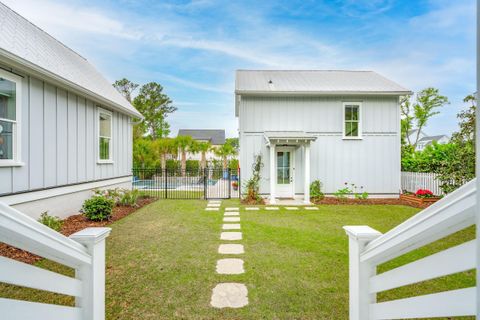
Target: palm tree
x,y
164,147
183,144
224,152
204,147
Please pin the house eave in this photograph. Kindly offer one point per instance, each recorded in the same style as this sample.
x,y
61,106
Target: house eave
x,y
31,68
321,93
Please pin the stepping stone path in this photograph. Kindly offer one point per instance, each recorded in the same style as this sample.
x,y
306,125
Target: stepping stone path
x,y
231,226
230,266
231,219
291,208
271,208
232,235
231,249
311,208
252,208
229,294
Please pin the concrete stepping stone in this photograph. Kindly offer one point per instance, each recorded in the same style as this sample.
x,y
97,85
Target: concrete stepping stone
x,y
231,249
291,208
232,235
231,226
311,208
229,295
231,219
252,208
213,205
272,208
212,209
214,201
231,213
232,208
230,266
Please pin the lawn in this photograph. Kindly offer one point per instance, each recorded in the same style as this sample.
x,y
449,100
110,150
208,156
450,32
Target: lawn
x,y
161,262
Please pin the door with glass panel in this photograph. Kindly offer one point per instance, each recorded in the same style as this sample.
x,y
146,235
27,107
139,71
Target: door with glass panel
x,y
285,173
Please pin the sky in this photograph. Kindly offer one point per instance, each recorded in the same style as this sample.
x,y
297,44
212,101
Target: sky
x,y
192,48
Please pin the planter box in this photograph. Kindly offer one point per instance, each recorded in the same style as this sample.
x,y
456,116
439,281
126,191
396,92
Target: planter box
x,y
418,201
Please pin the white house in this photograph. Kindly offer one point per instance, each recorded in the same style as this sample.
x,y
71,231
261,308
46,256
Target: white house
x,y
64,129
424,140
216,137
336,126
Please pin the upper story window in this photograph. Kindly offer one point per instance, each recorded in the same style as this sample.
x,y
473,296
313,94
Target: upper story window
x,y
104,136
352,126
10,97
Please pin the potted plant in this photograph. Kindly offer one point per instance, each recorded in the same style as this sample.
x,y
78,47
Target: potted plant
x,y
420,197
235,185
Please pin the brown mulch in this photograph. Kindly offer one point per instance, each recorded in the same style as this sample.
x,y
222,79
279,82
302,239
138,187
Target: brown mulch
x,y
379,201
71,225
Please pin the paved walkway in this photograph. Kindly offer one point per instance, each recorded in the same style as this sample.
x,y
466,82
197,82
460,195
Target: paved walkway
x,y
229,294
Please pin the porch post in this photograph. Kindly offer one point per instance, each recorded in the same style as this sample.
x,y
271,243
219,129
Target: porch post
x,y
272,173
306,190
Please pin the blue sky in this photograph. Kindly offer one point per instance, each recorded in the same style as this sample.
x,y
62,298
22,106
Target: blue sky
x,y
193,47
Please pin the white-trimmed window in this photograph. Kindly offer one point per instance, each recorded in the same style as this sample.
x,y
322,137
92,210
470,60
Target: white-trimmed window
x,y
10,106
352,124
104,136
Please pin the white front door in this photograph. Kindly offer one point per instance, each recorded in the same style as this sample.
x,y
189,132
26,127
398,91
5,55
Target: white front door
x,y
285,172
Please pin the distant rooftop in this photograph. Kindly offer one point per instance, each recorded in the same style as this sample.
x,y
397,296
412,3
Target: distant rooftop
x,y
214,136
26,44
315,82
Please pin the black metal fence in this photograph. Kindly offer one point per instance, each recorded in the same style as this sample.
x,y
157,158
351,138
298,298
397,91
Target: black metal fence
x,y
208,183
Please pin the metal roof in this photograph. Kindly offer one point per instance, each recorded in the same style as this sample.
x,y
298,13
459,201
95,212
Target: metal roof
x,y
214,136
433,138
24,43
315,82
288,136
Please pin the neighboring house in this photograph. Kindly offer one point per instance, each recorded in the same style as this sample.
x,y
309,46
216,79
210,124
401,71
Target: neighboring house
x,y
336,126
64,130
216,137
425,140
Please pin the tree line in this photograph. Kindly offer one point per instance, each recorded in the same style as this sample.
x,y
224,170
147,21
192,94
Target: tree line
x,y
454,162
151,145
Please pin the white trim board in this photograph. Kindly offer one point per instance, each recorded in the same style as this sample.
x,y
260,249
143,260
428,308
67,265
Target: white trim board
x,y
54,192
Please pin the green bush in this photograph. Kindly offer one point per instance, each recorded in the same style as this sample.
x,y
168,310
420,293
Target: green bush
x,y
316,190
52,222
111,194
98,208
129,198
193,166
233,165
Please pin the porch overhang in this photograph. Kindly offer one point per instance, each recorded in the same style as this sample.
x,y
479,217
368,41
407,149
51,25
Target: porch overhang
x,y
288,137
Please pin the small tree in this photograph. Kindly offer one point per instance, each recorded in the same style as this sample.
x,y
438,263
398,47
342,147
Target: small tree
x,y
144,155
252,185
165,147
224,152
427,102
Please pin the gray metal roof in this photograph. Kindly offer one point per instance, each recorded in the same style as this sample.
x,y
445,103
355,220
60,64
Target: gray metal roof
x,y
214,136
24,43
315,82
432,138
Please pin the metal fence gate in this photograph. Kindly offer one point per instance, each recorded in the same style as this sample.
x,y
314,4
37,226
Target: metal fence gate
x,y
208,183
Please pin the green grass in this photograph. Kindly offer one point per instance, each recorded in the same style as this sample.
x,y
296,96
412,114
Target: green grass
x,y
161,262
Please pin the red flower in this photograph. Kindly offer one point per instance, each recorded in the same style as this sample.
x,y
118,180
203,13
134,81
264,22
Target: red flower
x,y
424,193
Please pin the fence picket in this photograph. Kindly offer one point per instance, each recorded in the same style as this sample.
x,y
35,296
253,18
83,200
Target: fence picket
x,y
412,181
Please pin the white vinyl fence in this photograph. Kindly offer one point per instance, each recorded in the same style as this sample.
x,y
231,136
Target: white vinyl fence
x,y
368,248
412,181
84,251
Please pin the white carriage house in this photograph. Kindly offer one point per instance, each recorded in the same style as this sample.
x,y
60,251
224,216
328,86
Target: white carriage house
x,y
336,126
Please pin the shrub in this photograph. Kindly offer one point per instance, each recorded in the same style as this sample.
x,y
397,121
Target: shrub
x,y
111,194
342,193
52,222
316,193
129,197
98,208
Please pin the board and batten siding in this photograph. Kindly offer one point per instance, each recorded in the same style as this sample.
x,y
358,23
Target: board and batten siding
x,y
59,132
372,162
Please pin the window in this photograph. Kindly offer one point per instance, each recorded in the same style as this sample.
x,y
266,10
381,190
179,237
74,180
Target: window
x,y
9,119
104,136
352,124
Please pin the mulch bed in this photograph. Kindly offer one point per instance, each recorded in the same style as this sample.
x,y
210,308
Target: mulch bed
x,y
335,201
71,225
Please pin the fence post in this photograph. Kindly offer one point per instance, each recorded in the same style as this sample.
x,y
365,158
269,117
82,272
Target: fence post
x,y
205,173
359,272
229,183
92,276
166,183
